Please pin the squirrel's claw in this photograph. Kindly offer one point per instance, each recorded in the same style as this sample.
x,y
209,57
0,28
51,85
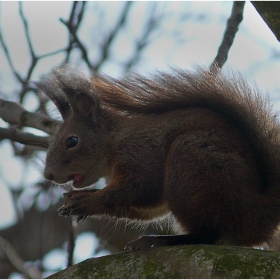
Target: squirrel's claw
x,y
73,202
81,218
63,211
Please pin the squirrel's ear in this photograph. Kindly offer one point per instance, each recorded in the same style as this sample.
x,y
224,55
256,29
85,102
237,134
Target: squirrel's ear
x,y
71,91
85,106
78,88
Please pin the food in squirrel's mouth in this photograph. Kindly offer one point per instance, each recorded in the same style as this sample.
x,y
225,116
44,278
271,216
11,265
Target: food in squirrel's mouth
x,y
77,179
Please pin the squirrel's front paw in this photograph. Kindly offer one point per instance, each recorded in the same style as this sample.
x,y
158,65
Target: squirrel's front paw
x,y
77,203
63,211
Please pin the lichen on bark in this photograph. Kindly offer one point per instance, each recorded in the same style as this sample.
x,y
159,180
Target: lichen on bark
x,y
188,261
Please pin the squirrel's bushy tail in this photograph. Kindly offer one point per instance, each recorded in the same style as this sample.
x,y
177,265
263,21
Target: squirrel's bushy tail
x,y
243,105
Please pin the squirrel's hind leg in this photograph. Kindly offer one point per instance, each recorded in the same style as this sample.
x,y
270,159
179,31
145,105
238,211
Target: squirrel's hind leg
x,y
213,193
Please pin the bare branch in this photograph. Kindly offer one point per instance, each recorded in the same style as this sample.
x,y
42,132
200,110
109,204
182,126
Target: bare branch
x,y
71,42
79,43
15,134
144,40
113,34
8,56
18,263
34,58
71,242
52,53
77,14
72,25
81,13
270,12
14,113
231,30
26,30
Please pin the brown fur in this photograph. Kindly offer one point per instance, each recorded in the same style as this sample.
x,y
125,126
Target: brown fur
x,y
204,148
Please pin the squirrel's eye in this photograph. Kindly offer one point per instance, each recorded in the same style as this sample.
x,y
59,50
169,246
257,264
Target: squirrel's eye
x,y
71,142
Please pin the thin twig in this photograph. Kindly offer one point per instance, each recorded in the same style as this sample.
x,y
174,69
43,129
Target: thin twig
x,y
52,53
8,56
70,45
17,262
79,43
72,25
113,34
24,137
80,15
230,32
143,41
34,58
26,31
71,242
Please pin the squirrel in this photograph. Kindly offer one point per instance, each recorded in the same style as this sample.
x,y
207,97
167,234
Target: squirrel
x,y
200,149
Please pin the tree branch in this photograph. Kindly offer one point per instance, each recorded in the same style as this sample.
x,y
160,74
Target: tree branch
x,y
108,41
52,53
34,58
18,263
79,43
230,32
144,40
72,25
26,138
14,113
8,56
71,241
270,12
26,31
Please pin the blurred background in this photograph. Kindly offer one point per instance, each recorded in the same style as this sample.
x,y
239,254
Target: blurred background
x,y
113,38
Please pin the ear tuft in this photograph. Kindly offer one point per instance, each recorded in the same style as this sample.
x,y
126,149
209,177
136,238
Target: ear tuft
x,y
72,81
78,88
51,88
70,89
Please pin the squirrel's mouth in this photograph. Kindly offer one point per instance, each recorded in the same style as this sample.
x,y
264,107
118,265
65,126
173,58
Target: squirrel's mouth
x,y
77,179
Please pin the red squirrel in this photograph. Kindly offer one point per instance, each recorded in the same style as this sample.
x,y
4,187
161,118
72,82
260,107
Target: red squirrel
x,y
198,149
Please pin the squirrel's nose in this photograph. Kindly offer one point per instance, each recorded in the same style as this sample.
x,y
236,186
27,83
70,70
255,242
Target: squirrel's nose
x,y
48,175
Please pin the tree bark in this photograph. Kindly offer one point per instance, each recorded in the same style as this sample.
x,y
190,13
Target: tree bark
x,y
188,261
270,12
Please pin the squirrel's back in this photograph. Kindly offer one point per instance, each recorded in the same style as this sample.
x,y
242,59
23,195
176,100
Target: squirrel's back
x,y
240,102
